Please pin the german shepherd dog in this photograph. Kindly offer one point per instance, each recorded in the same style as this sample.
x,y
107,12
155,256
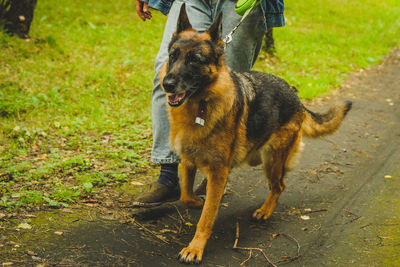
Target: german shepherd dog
x,y
220,118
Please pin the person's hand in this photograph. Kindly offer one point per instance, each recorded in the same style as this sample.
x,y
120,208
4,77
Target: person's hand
x,y
142,9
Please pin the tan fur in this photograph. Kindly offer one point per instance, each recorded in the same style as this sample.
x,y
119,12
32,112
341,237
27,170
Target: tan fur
x,y
216,151
312,129
222,144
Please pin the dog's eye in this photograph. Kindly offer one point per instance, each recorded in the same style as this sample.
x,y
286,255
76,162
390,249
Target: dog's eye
x,y
173,55
194,58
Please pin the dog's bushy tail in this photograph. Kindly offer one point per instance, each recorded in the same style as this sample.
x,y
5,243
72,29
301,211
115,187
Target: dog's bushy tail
x,y
316,124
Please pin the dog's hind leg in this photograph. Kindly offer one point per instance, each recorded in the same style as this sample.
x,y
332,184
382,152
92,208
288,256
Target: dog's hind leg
x,y
216,182
187,196
274,170
282,146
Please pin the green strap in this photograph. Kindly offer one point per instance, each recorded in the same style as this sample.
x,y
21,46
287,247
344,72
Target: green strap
x,y
228,37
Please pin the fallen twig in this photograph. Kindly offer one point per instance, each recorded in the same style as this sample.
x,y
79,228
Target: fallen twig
x,y
313,211
149,231
355,216
236,235
290,259
297,242
249,249
248,258
380,224
180,215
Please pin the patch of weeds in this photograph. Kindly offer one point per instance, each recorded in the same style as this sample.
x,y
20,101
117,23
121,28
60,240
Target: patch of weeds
x,y
7,203
24,136
64,194
88,187
43,172
29,197
76,164
16,171
119,177
95,178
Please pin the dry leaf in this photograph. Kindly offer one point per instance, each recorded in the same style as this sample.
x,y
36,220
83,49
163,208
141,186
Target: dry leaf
x,y
294,211
31,253
24,226
59,233
274,235
7,263
163,231
162,237
307,210
136,183
67,211
305,217
36,258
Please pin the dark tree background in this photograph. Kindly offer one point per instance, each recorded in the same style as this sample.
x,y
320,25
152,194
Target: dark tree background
x,y
16,16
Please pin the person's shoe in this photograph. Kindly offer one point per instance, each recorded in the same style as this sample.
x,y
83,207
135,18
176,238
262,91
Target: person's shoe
x,y
157,195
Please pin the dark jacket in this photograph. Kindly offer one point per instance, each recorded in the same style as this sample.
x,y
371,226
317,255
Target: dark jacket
x,y
273,11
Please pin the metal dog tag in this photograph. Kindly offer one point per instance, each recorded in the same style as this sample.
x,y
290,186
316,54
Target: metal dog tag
x,y
199,121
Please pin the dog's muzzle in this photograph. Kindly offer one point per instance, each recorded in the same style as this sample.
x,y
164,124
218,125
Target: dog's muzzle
x,y
175,100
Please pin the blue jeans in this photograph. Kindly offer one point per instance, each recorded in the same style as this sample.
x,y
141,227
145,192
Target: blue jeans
x,y
240,55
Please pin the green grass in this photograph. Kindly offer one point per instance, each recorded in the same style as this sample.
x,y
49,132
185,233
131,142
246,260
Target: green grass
x,y
75,114
325,40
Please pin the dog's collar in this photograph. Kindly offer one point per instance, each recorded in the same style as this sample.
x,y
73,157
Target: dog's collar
x,y
201,113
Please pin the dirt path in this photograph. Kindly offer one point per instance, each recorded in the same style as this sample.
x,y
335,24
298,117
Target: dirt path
x,y
340,207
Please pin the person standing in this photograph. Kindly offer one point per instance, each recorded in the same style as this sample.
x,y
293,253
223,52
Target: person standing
x,y
241,54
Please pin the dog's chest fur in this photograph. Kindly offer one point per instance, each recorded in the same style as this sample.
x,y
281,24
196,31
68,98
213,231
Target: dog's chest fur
x,y
260,104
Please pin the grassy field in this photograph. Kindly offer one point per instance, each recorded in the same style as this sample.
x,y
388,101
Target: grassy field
x,y
75,116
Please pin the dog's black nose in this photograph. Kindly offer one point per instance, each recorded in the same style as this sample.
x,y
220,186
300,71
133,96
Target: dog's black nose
x,y
169,84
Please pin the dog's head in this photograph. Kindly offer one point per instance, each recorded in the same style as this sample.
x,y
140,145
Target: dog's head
x,y
194,59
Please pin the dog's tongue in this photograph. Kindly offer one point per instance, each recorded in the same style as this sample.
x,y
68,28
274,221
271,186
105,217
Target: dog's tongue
x,y
175,98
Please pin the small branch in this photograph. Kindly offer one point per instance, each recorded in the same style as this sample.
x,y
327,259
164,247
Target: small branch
x,y
290,259
355,216
313,211
149,231
180,215
248,258
298,245
379,224
249,249
237,235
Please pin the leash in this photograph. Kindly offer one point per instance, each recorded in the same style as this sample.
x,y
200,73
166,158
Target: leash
x,y
228,37
242,6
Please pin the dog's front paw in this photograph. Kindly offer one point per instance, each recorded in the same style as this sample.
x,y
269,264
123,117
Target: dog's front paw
x,y
193,203
190,255
259,214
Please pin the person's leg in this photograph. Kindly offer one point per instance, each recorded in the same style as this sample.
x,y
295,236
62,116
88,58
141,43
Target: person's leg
x,y
241,53
199,15
167,186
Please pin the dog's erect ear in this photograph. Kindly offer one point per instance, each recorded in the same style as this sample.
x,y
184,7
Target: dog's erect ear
x,y
215,30
183,21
